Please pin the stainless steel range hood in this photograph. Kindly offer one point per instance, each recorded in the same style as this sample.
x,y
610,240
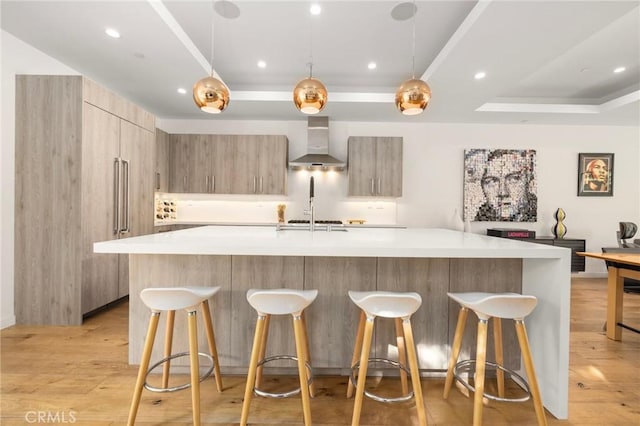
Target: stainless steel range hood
x,y
317,157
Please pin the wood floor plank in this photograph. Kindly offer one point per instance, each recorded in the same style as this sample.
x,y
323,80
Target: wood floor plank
x,y
83,371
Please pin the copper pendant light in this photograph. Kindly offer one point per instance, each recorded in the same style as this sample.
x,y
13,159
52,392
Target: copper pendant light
x,y
310,95
413,95
210,94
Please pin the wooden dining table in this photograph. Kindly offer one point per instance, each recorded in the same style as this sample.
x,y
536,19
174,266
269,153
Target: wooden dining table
x,y
619,269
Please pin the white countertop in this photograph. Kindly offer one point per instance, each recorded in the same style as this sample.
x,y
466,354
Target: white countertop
x,y
366,242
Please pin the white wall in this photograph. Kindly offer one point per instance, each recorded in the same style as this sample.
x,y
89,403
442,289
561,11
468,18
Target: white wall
x,y
433,160
433,170
17,58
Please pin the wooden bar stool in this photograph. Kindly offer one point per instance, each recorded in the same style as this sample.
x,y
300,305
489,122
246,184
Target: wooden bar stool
x,y
400,307
280,302
171,299
497,306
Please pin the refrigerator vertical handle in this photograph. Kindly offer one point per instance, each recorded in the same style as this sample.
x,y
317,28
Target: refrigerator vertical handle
x,y
116,196
125,198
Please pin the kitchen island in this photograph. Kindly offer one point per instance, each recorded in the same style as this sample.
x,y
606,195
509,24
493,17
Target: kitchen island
x,y
431,262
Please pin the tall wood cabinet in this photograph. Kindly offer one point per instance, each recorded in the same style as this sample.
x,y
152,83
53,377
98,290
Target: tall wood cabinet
x,y
228,164
84,173
162,161
375,166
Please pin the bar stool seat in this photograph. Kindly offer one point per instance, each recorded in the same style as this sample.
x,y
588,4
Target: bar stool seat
x,y
280,302
394,305
170,299
497,306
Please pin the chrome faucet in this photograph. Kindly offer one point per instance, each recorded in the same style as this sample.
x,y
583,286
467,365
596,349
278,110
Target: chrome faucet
x,y
311,210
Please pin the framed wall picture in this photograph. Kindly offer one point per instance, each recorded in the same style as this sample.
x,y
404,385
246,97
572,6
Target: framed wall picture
x,y
595,175
500,185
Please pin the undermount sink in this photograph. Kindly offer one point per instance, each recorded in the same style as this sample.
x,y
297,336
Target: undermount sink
x,y
317,228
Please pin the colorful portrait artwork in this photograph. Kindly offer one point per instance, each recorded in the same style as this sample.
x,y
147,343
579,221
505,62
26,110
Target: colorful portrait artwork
x,y
595,175
500,185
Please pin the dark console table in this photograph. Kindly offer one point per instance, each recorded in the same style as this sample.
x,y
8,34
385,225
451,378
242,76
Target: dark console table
x,y
576,245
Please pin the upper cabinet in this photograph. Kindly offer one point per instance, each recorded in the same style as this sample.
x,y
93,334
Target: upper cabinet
x,y
375,166
228,164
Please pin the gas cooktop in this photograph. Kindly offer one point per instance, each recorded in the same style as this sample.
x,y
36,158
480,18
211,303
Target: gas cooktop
x,y
327,222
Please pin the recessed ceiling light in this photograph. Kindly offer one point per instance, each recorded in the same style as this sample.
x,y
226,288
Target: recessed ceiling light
x,y
182,91
112,33
262,64
315,9
619,70
480,75
372,65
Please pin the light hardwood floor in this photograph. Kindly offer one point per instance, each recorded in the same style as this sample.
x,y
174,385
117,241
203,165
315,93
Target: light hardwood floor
x,y
80,375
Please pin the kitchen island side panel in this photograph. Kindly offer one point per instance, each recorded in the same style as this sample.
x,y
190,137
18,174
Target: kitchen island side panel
x,y
490,275
166,270
429,277
262,272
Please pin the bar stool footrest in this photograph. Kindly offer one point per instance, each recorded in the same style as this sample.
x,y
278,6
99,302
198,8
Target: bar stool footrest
x,y
296,391
468,366
179,387
402,398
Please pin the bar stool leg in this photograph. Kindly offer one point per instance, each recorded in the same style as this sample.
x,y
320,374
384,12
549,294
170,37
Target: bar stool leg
x,y
211,339
307,353
253,364
357,349
481,358
168,341
531,372
402,354
144,365
302,368
455,350
195,366
263,350
362,371
415,372
497,343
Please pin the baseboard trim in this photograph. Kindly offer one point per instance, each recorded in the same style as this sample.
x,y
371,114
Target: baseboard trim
x,y
7,321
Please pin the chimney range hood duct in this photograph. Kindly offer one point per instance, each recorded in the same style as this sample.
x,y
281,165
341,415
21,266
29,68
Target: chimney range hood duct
x,y
317,157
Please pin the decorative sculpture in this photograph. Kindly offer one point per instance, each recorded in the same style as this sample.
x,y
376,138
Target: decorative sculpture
x,y
559,230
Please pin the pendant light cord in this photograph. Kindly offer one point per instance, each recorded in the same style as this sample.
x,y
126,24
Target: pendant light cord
x,y
413,55
311,46
213,14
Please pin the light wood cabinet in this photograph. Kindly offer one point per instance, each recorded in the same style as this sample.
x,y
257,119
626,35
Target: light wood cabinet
x,y
73,159
228,164
375,166
262,272
161,183
333,318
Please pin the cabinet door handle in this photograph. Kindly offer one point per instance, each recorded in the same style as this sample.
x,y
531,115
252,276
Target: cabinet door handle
x,y
254,184
261,188
184,183
157,181
213,184
373,189
379,187
206,184
116,196
125,185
